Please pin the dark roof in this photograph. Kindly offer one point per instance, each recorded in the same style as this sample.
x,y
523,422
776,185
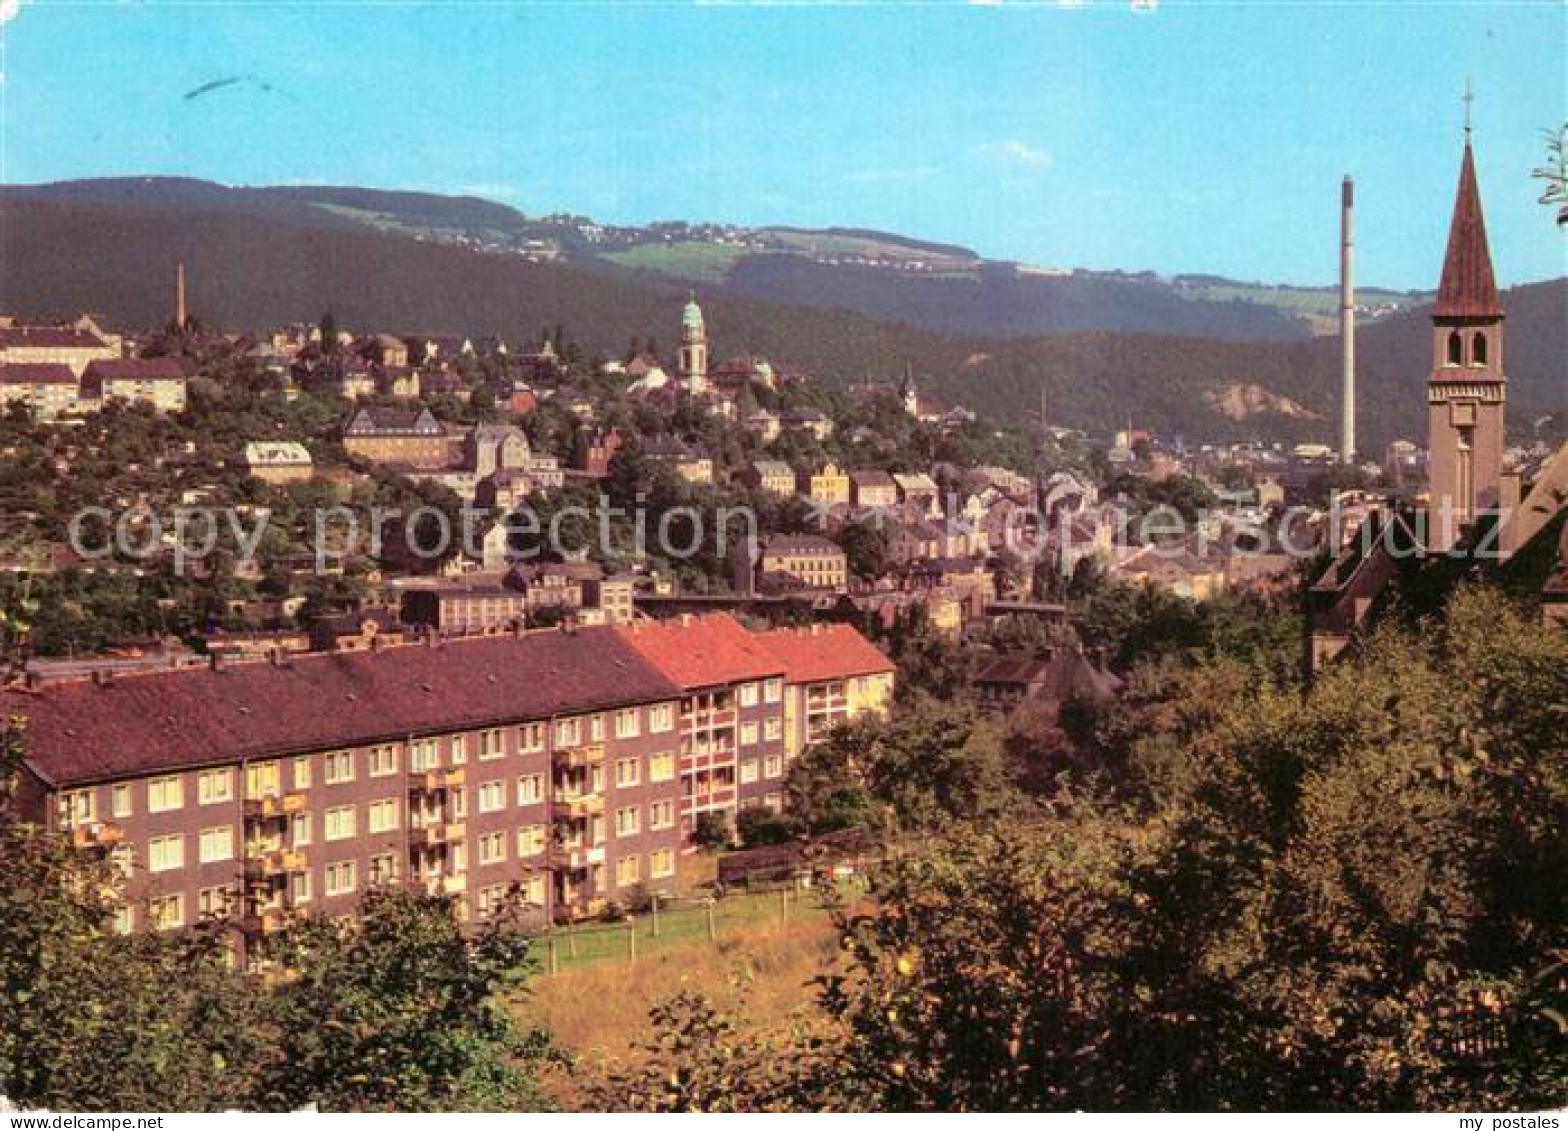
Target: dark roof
x,y
36,373
136,369
671,448
49,337
1065,674
1468,288
84,732
378,420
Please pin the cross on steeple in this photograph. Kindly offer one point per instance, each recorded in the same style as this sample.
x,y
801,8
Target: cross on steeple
x,y
1468,99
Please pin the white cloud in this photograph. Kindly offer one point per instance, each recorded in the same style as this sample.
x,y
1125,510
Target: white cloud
x,y
1016,153
912,173
9,10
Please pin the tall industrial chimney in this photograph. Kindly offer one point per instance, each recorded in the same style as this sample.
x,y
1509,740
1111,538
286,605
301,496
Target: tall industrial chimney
x,y
179,297
1347,328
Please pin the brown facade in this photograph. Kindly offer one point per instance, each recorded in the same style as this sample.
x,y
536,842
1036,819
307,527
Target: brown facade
x,y
571,764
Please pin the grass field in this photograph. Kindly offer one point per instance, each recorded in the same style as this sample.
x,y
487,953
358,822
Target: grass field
x,y
690,921
695,260
759,970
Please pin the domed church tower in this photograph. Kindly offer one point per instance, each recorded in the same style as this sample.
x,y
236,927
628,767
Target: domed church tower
x,y
693,361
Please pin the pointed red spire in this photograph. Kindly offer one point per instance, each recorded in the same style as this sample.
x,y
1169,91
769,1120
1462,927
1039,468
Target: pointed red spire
x,y
1468,289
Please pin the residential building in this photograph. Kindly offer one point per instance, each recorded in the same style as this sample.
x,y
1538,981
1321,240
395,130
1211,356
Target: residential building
x,y
920,492
614,597
832,675
157,381
764,425
731,724
874,489
829,486
807,560
278,461
1047,681
819,424
49,388
253,791
410,437
74,346
687,461
771,475
457,609
593,449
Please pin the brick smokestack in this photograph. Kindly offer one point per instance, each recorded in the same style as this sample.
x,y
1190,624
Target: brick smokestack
x,y
1347,327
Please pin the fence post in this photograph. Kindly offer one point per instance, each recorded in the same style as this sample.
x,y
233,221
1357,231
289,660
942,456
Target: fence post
x,y
656,915
783,905
554,967
713,932
571,937
631,937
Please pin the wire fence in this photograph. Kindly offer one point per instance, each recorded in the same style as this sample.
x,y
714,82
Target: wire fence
x,y
678,920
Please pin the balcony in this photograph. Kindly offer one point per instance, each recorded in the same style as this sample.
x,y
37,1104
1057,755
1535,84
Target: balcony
x,y
278,862
267,920
575,858
435,835
97,834
274,807
580,805
433,781
580,757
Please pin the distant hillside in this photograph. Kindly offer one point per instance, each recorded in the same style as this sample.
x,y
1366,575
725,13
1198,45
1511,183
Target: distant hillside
x,y
883,275
997,300
250,272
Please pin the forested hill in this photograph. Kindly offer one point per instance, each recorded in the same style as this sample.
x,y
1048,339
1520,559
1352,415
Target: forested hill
x,y
250,272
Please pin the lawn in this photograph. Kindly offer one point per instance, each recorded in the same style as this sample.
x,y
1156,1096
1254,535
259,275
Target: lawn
x,y
759,970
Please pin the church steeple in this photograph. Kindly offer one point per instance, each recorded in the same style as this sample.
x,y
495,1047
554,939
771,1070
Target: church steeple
x,y
1467,392
1468,288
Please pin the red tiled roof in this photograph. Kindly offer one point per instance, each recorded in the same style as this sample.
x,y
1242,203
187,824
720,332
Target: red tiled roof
x,y
82,732
1468,288
36,373
703,651
824,651
137,369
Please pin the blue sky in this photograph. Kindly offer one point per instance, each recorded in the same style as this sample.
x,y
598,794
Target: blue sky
x,y
1198,137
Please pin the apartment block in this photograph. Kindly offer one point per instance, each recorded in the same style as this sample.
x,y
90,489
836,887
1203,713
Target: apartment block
x,y
546,760
832,675
572,765
731,712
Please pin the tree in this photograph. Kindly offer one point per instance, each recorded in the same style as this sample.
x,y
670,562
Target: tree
x,y
1555,173
1277,898
867,546
95,1021
394,1009
985,978
698,1059
928,763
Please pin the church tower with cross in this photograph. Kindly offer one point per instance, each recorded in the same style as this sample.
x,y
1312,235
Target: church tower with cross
x,y
1466,390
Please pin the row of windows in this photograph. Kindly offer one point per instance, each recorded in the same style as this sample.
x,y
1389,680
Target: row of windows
x,y
264,779
772,767
341,877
